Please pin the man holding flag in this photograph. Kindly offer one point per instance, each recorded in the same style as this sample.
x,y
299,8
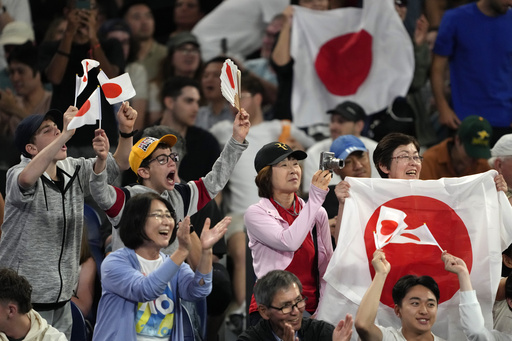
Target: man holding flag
x,y
44,207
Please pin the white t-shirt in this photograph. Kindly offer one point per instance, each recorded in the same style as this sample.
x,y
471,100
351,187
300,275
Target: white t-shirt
x,y
154,320
393,334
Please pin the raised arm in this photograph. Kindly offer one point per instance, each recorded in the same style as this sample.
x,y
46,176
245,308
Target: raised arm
x,y
126,116
367,312
43,158
210,236
343,331
241,126
281,53
457,266
101,146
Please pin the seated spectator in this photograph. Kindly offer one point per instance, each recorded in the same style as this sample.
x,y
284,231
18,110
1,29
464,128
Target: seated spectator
x,y
415,298
138,15
471,316
217,108
464,154
19,320
281,304
183,59
136,278
286,233
347,118
186,14
13,34
356,164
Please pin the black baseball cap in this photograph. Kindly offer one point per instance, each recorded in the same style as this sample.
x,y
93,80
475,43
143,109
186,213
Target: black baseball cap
x,y
28,127
274,152
350,111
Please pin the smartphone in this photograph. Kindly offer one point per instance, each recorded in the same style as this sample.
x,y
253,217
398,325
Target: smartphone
x,y
83,4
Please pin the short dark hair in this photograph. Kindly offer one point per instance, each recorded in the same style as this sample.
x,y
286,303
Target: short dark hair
x,y
407,282
173,86
130,3
252,84
385,148
133,222
267,286
15,288
218,59
264,182
25,54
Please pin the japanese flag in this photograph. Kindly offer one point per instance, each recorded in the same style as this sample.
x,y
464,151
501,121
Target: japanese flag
x,y
360,54
89,112
118,89
466,216
81,81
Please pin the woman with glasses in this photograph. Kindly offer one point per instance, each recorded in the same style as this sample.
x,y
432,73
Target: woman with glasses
x,y
286,233
142,287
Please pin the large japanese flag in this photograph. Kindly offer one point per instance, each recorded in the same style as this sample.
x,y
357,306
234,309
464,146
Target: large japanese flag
x,y
89,112
118,89
360,54
466,216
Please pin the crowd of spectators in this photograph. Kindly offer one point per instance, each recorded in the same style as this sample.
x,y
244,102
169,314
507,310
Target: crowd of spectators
x,y
181,140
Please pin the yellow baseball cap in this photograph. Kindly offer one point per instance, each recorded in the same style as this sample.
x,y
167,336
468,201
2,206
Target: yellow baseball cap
x,y
145,146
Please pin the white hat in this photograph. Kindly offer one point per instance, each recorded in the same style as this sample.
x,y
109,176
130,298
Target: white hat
x,y
503,147
16,33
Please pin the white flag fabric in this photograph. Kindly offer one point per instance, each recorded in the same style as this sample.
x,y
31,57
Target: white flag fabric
x,y
466,216
89,112
360,54
81,82
117,89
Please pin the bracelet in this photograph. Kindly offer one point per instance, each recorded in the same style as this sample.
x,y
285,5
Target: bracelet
x,y
62,53
128,135
96,46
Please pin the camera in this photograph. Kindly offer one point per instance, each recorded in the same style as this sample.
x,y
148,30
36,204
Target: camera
x,y
329,162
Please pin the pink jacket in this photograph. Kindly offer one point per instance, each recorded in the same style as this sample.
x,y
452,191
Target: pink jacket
x,y
273,242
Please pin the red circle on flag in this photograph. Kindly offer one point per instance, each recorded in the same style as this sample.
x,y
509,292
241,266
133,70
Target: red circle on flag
x,y
446,227
111,90
344,62
85,108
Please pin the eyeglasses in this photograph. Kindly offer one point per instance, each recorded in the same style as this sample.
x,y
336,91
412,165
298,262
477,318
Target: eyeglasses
x,y
407,158
185,51
289,308
161,216
164,159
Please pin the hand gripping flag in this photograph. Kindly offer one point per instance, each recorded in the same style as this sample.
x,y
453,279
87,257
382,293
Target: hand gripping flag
x,y
360,54
466,216
81,81
391,228
118,89
89,112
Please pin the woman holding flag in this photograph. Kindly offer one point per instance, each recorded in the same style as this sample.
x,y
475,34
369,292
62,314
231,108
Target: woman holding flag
x,y
285,233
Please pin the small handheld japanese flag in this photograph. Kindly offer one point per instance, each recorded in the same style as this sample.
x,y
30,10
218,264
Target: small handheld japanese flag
x,y
118,89
81,81
89,112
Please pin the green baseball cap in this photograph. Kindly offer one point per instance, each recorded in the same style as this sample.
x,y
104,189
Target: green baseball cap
x,y
475,133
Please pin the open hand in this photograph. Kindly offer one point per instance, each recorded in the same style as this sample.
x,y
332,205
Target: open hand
x,y
210,236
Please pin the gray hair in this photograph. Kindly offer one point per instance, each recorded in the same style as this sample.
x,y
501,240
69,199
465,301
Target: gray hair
x,y
267,286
